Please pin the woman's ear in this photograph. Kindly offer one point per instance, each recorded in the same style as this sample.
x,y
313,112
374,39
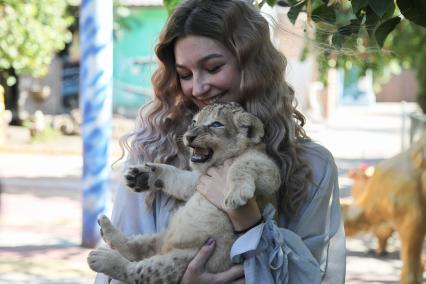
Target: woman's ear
x,y
250,125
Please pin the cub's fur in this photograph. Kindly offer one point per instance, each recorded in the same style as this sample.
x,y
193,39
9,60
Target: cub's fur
x,y
219,131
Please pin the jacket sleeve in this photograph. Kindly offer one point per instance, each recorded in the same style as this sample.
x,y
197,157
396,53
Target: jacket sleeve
x,y
308,249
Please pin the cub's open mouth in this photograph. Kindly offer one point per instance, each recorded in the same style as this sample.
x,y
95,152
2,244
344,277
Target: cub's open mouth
x,y
201,155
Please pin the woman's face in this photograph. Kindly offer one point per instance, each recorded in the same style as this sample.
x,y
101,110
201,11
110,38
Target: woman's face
x,y
207,71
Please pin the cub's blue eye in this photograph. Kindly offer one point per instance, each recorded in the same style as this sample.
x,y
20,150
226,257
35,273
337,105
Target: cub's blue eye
x,y
216,124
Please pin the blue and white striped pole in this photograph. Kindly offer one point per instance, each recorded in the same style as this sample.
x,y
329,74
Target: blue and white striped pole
x,y
96,22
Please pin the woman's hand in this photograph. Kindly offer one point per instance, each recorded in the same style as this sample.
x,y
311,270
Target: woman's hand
x,y
213,186
196,273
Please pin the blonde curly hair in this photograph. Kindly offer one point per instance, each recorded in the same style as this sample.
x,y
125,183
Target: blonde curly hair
x,y
240,27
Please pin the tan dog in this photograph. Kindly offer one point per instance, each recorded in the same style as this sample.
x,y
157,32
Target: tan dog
x,y
393,196
355,221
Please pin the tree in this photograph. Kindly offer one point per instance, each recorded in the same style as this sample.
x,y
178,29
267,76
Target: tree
x,y
370,34
31,32
383,33
345,18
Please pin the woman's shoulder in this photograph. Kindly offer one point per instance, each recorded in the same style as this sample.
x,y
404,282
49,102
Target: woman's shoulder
x,y
320,160
316,153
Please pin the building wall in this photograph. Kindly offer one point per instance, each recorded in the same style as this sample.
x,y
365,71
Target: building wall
x,y
53,80
401,87
134,58
290,40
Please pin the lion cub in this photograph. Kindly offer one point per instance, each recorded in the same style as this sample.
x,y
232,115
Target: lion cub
x,y
219,131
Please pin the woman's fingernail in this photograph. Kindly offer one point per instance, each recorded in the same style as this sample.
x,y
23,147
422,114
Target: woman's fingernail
x,y
209,242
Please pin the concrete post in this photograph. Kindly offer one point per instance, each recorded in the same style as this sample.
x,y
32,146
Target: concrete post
x,y
96,105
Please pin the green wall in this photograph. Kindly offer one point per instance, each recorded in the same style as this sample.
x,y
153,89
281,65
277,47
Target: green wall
x,y
133,48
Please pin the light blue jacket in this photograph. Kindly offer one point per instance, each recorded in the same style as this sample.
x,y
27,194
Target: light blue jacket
x,y
308,248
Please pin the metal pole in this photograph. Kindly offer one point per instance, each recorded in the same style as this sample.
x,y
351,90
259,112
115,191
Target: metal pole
x,y
96,105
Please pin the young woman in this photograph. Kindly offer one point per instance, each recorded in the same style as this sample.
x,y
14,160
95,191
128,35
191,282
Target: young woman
x,y
220,50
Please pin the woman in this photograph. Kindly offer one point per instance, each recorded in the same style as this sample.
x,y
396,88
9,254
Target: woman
x,y
220,50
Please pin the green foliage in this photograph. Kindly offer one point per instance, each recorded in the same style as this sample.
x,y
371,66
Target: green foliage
x,y
385,28
294,11
369,34
347,18
407,49
379,6
413,10
31,32
171,4
404,48
271,2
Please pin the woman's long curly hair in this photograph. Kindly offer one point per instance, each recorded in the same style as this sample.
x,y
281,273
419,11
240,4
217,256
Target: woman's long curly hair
x,y
240,27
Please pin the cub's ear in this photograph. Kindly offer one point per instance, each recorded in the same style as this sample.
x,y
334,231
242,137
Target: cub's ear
x,y
250,125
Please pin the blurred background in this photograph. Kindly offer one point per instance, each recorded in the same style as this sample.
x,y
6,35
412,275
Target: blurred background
x,y
358,69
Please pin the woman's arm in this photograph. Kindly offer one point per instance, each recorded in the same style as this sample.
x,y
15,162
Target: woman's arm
x,y
320,224
303,249
196,274
314,238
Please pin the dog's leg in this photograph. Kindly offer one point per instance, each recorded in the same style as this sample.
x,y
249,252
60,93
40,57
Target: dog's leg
x,y
412,234
383,232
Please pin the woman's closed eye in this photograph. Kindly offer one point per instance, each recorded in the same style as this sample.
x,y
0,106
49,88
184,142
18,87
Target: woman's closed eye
x,y
184,76
215,68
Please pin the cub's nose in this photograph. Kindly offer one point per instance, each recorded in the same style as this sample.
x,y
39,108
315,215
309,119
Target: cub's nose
x,y
190,138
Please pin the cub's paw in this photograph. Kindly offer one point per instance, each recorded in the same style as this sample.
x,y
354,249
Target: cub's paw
x,y
236,198
143,178
109,233
107,261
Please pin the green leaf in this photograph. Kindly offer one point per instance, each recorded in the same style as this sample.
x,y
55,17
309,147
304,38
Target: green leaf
x,y
271,2
389,11
380,6
293,2
385,28
413,10
324,14
294,11
371,21
31,33
337,40
170,5
358,4
352,28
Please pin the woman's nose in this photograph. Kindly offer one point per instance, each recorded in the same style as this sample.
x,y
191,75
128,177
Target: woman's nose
x,y
199,86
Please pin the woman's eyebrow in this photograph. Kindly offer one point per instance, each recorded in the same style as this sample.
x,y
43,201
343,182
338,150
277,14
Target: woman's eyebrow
x,y
203,59
210,56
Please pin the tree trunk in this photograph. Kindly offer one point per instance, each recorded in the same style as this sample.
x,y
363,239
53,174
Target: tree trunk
x,y
11,97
